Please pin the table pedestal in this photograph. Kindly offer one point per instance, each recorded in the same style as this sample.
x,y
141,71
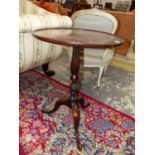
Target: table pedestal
x,y
74,101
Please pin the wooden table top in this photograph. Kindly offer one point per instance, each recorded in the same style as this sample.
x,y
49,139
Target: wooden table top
x,y
78,37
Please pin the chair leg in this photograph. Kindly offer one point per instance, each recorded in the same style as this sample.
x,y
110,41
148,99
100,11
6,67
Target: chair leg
x,y
105,69
99,76
46,70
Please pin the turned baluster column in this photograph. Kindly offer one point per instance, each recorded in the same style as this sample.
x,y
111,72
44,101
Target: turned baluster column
x,y
75,65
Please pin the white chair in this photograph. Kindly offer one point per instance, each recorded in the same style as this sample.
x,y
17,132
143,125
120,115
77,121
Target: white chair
x,y
95,19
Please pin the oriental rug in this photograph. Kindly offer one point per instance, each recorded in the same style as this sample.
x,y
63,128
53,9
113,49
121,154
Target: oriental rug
x,y
103,130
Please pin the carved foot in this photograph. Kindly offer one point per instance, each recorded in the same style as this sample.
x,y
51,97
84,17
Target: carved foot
x,y
56,106
47,71
83,103
76,117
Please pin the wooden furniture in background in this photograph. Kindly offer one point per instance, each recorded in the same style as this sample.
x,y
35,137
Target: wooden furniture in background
x,y
126,29
108,6
53,7
98,4
81,6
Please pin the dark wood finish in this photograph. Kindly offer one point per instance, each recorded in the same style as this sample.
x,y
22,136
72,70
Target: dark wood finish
x,y
81,6
78,39
125,29
98,4
46,70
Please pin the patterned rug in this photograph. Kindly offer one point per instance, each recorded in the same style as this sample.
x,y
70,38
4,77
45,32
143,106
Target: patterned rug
x,y
103,130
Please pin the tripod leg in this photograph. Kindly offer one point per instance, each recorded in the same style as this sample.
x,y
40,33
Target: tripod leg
x,y
56,106
76,117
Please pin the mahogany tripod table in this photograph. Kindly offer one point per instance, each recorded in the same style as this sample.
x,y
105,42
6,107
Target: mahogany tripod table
x,y
78,39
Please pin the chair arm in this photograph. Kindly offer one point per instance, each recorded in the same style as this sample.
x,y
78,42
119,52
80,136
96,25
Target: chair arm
x,y
31,22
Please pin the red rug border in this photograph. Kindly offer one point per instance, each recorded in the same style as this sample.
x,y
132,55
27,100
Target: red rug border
x,y
99,102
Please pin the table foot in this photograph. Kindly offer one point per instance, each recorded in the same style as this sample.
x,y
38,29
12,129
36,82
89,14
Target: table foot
x,y
56,106
83,103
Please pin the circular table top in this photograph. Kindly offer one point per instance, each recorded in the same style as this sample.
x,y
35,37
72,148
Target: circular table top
x,y
78,37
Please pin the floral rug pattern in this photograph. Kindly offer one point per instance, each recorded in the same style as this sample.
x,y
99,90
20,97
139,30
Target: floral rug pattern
x,y
103,130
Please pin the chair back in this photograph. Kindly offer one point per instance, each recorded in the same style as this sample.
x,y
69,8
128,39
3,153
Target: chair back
x,y
99,20
94,19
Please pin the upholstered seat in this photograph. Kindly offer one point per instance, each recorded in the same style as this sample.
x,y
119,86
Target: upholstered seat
x,y
95,19
32,52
